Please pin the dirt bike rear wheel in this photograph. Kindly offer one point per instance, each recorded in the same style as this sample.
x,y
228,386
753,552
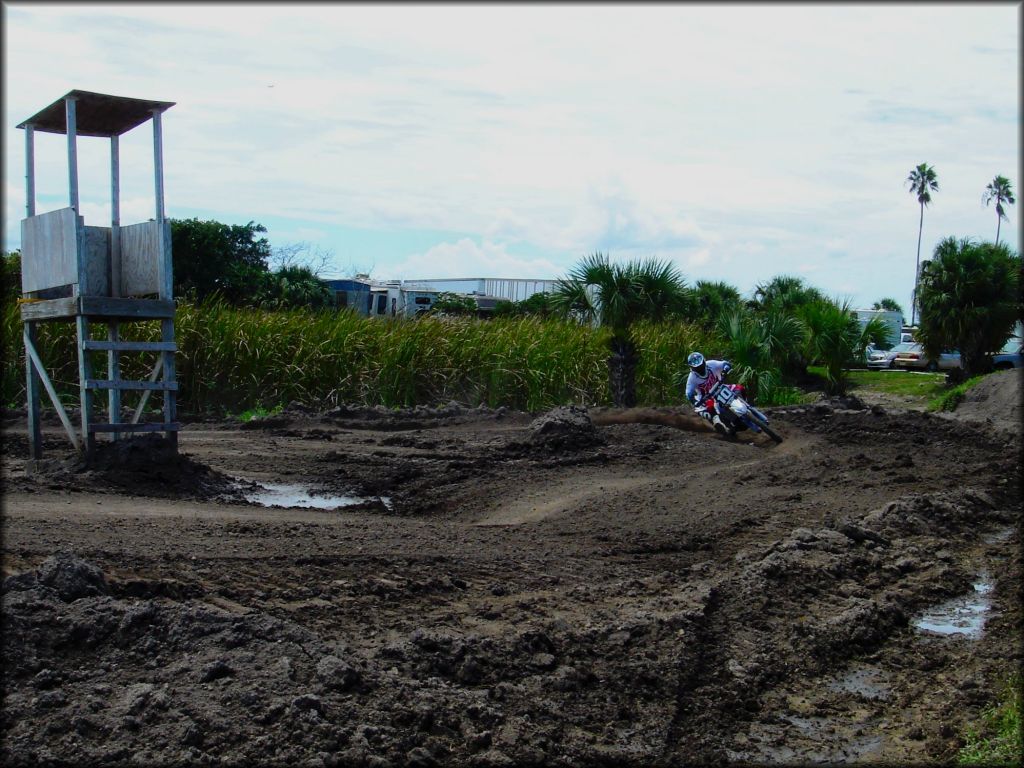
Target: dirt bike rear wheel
x,y
765,428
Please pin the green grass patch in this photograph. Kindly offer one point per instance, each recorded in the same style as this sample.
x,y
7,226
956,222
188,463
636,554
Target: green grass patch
x,y
786,396
997,739
919,387
952,397
259,413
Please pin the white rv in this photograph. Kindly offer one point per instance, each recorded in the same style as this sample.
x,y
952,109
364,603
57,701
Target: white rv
x,y
893,322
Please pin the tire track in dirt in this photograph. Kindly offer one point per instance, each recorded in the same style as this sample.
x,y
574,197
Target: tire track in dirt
x,y
544,501
541,502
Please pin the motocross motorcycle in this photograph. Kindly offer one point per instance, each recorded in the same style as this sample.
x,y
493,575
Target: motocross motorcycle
x,y
737,413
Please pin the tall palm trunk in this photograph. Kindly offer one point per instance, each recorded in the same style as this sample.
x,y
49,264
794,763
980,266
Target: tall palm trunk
x,y
999,221
917,268
622,372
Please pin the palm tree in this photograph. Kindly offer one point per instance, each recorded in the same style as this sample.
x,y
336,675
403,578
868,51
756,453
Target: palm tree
x,y
784,293
999,190
969,300
834,338
922,182
615,296
759,347
712,300
888,305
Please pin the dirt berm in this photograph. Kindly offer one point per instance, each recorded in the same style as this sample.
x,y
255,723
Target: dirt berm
x,y
582,587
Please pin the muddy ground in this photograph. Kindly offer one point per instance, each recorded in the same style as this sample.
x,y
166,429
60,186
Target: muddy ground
x,y
573,588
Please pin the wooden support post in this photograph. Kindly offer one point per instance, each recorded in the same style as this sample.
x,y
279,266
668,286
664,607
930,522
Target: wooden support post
x,y
170,396
114,327
84,374
32,382
72,131
30,172
164,273
114,374
115,217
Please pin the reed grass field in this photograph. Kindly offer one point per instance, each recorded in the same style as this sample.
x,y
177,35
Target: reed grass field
x,y
234,359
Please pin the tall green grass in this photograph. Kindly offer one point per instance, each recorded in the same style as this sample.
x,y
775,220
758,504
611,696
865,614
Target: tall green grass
x,y
663,348
231,359
234,359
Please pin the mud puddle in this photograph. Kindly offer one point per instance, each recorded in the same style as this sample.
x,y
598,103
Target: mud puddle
x,y
838,723
862,680
998,537
811,739
296,496
964,615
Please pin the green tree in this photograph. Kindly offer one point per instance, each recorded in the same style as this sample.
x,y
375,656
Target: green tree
x,y
888,305
10,275
922,182
448,303
784,293
785,296
970,300
212,257
616,296
713,301
537,305
999,189
834,338
293,287
760,346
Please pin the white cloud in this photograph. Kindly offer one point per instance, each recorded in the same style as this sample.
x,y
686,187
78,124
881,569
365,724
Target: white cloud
x,y
467,258
747,136
699,258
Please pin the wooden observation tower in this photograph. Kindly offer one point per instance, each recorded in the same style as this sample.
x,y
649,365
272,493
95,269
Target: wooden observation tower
x,y
108,276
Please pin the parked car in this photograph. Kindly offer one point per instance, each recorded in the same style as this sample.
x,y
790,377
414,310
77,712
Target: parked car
x,y
1010,355
882,359
913,358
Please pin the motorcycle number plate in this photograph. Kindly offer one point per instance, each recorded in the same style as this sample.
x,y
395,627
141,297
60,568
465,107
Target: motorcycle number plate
x,y
724,395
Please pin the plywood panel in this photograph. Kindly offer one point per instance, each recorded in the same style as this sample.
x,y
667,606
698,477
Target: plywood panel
x,y
49,250
140,258
97,262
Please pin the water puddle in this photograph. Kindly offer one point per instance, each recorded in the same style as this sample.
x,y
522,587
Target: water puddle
x,y
998,537
964,615
861,743
809,739
295,496
864,681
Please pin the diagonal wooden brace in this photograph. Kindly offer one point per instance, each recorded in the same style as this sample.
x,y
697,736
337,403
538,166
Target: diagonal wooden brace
x,y
145,393
38,365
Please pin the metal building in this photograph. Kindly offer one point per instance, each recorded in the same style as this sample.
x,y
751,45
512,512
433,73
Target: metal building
x,y
97,275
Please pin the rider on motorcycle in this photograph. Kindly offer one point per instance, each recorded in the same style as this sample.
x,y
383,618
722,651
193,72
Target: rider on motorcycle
x,y
704,375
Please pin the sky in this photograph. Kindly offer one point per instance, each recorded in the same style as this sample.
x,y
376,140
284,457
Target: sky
x,y
738,142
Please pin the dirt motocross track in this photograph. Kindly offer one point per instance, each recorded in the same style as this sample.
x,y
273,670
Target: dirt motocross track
x,y
571,588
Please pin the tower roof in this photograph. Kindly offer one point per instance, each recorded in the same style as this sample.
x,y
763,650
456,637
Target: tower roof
x,y
96,114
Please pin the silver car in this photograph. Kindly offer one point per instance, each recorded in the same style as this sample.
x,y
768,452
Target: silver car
x,y
883,359
913,358
1010,356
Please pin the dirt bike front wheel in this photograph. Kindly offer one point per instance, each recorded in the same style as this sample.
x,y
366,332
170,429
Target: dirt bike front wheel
x,y
765,428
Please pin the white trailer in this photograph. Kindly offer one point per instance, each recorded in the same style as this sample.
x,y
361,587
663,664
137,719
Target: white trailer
x,y
893,322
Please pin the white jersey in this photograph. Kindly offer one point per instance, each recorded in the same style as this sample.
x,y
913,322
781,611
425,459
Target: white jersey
x,y
696,384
